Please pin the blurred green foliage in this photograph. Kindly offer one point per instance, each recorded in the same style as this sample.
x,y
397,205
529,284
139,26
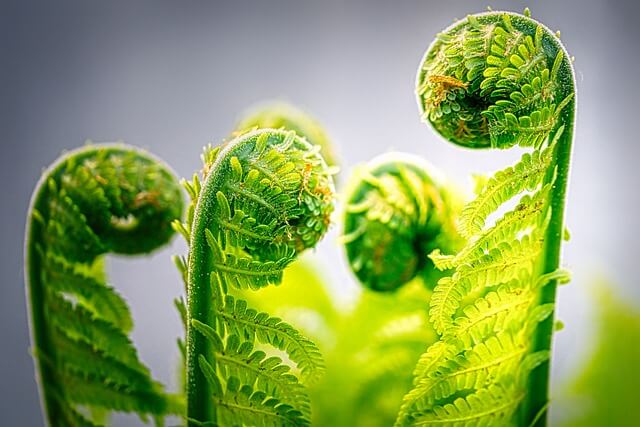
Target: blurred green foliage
x,y
605,392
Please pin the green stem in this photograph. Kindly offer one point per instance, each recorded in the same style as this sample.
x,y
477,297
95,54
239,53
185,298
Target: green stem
x,y
200,405
38,324
538,397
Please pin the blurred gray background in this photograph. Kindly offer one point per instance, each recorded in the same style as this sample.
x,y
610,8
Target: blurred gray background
x,y
172,76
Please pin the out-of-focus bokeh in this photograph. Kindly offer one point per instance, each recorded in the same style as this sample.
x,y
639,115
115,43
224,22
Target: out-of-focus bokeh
x,y
173,76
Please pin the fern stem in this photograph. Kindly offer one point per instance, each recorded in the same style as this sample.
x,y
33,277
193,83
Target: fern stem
x,y
538,396
38,324
200,296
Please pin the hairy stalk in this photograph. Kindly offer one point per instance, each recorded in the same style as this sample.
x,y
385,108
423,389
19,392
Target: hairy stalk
x,y
266,197
93,201
499,80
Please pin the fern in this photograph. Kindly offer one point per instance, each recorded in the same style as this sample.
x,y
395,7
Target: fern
x,y
266,196
396,213
99,199
497,79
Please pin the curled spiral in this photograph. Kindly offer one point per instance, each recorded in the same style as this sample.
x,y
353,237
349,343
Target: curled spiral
x,y
96,200
280,185
107,198
495,79
267,196
396,214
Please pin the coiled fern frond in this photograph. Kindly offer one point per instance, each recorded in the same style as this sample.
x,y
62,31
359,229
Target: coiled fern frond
x,y
497,79
265,197
96,200
396,213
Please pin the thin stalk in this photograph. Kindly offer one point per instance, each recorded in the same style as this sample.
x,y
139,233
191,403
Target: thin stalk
x,y
200,404
537,399
37,321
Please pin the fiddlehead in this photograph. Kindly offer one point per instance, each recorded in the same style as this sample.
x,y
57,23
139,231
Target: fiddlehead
x,y
266,197
93,201
497,79
396,214
282,115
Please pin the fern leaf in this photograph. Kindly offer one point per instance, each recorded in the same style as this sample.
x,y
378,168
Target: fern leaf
x,y
253,368
527,130
83,359
242,405
250,324
529,212
492,313
85,390
490,361
267,374
243,272
102,335
488,406
525,175
102,300
67,231
435,355
499,266
444,302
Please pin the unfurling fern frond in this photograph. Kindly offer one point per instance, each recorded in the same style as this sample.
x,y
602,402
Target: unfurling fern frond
x,y
497,79
266,196
397,213
93,201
